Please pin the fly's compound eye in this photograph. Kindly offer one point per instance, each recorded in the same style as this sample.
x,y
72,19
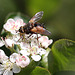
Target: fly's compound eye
x,y
35,25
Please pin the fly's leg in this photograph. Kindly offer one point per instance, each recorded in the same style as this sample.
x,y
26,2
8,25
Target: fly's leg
x,y
22,37
29,35
38,40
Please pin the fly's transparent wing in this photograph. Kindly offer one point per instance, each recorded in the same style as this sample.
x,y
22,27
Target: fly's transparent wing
x,y
40,30
36,17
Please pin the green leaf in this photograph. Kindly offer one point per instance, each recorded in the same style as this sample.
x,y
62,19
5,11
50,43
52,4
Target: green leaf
x,y
6,6
65,73
62,56
40,71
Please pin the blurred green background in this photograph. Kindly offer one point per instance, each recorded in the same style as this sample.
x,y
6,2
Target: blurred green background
x,y
59,15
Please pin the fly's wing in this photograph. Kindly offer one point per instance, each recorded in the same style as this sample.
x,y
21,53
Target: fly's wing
x,y
40,30
36,17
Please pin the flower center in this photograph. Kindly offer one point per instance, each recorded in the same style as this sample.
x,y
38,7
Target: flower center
x,y
14,27
33,51
8,65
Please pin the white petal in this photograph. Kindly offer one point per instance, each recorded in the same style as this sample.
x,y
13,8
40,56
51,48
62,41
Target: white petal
x,y
27,61
13,32
22,61
24,52
1,43
16,69
11,21
8,24
36,57
8,72
51,41
41,51
2,53
3,57
7,27
45,44
20,22
40,39
9,42
13,57
34,42
1,70
16,37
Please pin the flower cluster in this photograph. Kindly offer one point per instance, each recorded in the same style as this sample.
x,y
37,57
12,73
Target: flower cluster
x,y
28,48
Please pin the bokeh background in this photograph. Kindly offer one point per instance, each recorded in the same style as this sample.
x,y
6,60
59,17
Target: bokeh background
x,y
59,15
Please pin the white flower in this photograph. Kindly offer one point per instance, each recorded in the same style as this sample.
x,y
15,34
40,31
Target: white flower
x,y
37,52
8,68
3,57
22,61
9,43
12,25
44,41
32,49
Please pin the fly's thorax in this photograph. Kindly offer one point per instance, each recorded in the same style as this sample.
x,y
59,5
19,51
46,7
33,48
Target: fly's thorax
x,y
27,28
